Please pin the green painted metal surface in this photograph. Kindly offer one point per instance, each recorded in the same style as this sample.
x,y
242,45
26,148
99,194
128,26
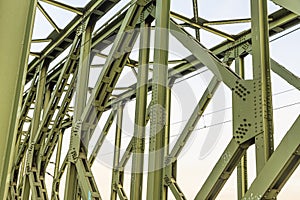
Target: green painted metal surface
x,y
34,129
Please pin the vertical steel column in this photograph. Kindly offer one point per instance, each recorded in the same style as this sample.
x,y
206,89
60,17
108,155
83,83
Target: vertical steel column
x,y
80,103
196,16
71,182
166,138
242,180
47,97
117,147
25,191
21,177
16,20
83,71
261,71
34,128
158,116
39,100
55,184
140,114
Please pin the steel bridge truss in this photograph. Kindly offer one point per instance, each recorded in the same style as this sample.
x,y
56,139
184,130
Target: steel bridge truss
x,y
51,92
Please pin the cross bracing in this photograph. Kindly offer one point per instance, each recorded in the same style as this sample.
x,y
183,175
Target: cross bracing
x,y
59,107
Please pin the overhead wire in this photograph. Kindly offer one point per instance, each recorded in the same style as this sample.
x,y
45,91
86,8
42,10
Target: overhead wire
x,y
212,125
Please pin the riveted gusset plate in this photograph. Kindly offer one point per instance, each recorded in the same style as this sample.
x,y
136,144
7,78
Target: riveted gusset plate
x,y
247,112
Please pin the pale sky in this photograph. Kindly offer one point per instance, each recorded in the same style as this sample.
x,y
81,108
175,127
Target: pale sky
x,y
192,168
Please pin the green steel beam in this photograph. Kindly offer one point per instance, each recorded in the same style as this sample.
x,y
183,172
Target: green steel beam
x,y
117,147
63,6
17,18
284,73
86,181
172,183
220,70
80,103
193,120
167,135
40,40
56,179
279,167
185,134
261,71
121,192
47,16
196,18
140,115
83,72
227,21
242,179
31,168
222,170
199,26
112,69
126,156
111,19
159,113
102,136
40,93
129,148
291,5
62,168
245,36
288,76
